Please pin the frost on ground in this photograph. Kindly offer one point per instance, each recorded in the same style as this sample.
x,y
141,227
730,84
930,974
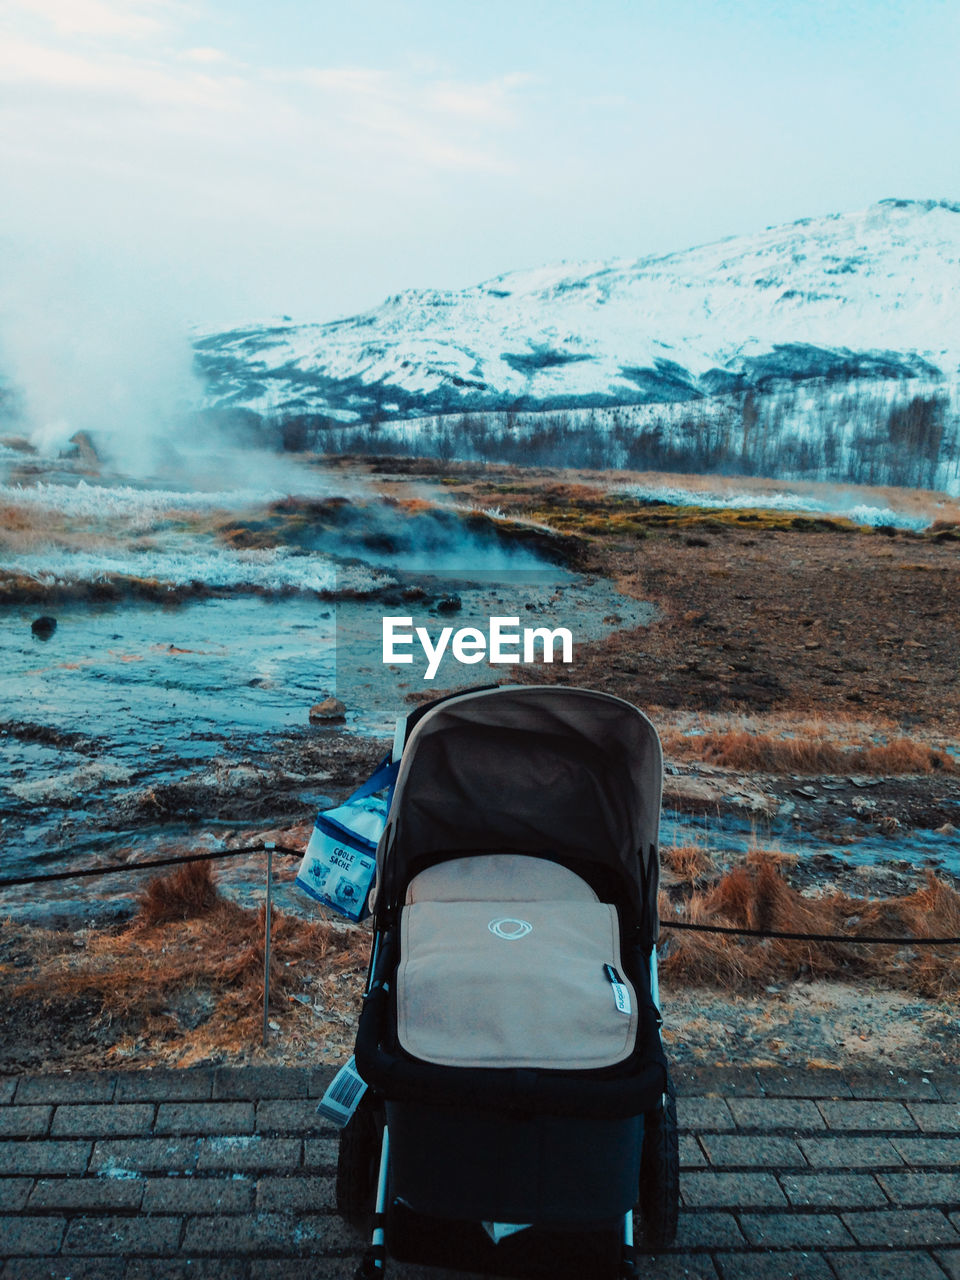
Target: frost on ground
x,y
816,1024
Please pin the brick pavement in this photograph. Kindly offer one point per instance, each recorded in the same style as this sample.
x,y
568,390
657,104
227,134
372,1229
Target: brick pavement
x,y
227,1174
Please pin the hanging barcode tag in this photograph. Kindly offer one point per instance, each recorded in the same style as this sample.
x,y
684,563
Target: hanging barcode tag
x,y
621,992
343,1095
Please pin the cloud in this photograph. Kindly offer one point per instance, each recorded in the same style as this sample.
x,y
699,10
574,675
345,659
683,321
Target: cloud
x,y
132,19
206,56
422,118
141,126
400,120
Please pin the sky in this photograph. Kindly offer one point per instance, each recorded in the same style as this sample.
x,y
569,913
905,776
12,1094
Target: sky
x,y
216,162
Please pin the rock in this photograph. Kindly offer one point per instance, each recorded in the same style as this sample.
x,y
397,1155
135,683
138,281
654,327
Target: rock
x,y
948,829
83,449
328,709
449,604
18,443
43,628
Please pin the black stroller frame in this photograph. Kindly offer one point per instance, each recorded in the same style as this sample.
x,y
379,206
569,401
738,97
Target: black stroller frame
x,y
455,1157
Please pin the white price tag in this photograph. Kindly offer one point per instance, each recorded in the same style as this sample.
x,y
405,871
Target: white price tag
x,y
343,1094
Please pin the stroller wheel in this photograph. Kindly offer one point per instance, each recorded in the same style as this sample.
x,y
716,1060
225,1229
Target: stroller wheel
x,y
358,1163
659,1199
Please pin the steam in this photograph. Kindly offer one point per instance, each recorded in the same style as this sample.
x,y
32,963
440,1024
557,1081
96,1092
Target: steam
x,y
828,501
88,345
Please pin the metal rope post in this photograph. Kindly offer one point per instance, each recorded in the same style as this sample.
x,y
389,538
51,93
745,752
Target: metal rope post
x,y
269,846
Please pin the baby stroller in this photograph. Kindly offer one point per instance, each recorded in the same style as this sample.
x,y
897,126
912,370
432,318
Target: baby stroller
x,y
518,1106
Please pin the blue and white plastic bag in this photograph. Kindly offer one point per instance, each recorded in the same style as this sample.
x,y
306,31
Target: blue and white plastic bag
x,y
341,857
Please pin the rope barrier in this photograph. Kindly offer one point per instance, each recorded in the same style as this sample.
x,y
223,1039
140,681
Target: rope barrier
x,y
809,937
265,847
81,872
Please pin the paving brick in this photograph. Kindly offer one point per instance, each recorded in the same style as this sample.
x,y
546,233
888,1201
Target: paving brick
x,y
198,1195
948,1087
102,1194
672,1266
731,1190
99,1120
849,1153
691,1155
321,1154
776,1113
699,1114
251,1084
297,1115
336,1269
291,1234
26,1235
123,1236
117,1156
796,1230
803,1084
63,1268
868,1116
937,1189
832,1190
929,1151
43,1157
898,1085
92,1086
318,1080
949,1259
252,1152
190,1269
166,1084
14,1193
8,1087
707,1231
935,1117
24,1122
773,1266
204,1117
741,1150
296,1194
723,1082
884,1266
898,1227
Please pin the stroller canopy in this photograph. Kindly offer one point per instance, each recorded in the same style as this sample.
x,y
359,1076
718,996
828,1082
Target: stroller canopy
x,y
564,772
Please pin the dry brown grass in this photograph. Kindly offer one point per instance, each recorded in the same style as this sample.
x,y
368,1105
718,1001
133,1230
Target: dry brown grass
x,y
187,892
190,948
688,863
757,896
808,753
187,987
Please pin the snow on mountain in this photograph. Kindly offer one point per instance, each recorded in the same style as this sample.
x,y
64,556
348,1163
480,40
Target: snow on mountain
x,y
872,295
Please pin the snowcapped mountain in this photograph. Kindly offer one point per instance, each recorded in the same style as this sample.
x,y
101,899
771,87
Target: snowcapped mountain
x,y
872,295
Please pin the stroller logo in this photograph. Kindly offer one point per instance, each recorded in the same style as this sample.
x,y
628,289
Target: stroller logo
x,y
509,929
